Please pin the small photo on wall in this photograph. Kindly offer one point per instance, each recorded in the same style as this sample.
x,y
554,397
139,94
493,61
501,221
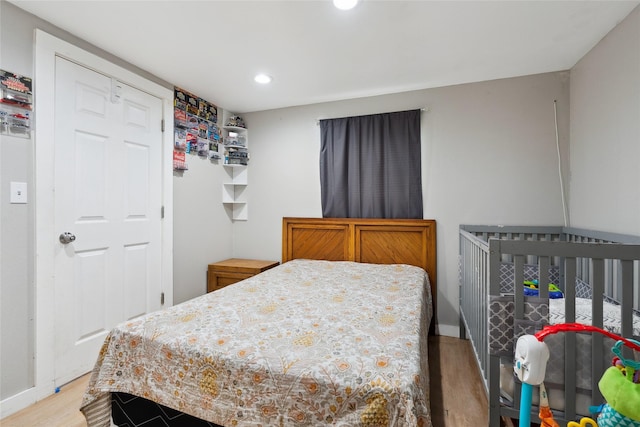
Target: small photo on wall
x,y
180,140
203,129
214,132
192,104
193,123
179,160
179,99
192,142
210,111
203,147
179,118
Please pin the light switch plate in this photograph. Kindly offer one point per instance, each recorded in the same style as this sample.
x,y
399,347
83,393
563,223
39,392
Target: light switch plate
x,y
18,192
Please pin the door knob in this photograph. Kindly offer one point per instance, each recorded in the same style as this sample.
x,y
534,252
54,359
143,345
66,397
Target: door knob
x,y
67,237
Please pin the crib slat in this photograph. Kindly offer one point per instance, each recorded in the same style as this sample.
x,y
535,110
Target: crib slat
x,y
543,276
627,301
636,285
494,361
597,319
494,391
483,302
570,289
570,341
570,376
518,280
597,287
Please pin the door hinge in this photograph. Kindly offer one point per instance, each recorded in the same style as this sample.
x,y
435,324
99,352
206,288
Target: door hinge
x,y
161,298
116,91
162,212
162,125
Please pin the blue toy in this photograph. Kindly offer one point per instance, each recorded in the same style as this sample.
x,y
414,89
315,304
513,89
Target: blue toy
x,y
531,289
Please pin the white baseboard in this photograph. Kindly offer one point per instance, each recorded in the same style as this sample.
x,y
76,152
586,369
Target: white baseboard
x,y
19,401
448,330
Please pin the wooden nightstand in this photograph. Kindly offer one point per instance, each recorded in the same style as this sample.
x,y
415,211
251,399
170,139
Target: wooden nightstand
x,y
223,273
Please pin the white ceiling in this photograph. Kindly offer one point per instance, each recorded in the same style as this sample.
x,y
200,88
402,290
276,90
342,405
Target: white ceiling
x,y
318,53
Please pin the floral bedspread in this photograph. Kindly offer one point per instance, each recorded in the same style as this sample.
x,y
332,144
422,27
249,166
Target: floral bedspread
x,y
307,343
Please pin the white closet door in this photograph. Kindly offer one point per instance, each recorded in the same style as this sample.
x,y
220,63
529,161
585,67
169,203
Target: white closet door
x,y
108,187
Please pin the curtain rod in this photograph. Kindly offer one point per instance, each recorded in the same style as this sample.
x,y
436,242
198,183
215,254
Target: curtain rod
x,y
423,109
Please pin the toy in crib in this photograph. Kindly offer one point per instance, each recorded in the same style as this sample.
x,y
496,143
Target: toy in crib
x,y
585,422
620,384
531,289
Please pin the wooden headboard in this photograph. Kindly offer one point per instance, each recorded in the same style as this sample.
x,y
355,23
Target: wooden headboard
x,y
376,241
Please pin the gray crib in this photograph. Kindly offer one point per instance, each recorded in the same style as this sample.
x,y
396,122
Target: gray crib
x,y
599,275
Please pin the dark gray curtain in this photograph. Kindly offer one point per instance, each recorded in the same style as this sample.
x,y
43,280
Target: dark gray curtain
x,y
370,166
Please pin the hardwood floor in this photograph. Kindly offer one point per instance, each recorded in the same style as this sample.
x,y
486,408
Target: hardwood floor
x,y
457,394
58,410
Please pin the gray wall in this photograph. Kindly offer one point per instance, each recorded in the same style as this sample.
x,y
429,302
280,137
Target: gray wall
x,y
605,132
202,229
489,157
16,226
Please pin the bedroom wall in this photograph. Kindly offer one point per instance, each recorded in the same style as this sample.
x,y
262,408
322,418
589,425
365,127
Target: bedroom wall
x,y
488,155
202,229
16,227
605,133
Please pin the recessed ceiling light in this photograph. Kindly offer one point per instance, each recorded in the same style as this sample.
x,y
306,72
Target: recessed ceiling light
x,y
345,4
262,79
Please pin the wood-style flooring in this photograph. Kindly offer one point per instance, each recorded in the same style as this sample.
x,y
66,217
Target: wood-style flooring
x,y
58,410
457,394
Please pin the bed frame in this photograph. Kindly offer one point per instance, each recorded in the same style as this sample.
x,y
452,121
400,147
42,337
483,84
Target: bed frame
x,y
609,263
376,241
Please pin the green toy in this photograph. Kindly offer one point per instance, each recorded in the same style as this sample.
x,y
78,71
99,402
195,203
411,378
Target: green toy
x,y
531,289
621,390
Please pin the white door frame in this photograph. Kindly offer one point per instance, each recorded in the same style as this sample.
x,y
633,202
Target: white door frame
x,y
47,47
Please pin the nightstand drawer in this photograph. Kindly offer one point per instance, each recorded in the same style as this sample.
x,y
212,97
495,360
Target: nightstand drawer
x,y
227,272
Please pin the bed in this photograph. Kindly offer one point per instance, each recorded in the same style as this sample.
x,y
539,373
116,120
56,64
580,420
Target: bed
x,y
335,335
598,276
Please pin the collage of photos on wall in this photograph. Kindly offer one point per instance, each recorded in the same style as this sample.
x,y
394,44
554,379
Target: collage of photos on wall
x,y
196,128
16,100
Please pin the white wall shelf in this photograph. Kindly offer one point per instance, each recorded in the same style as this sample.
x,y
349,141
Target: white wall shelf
x,y
234,186
237,210
235,147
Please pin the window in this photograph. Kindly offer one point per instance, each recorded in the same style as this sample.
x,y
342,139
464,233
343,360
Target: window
x,y
370,166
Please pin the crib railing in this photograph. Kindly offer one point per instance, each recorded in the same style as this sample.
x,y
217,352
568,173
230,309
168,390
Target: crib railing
x,y
572,255
612,270
474,289
613,282
474,277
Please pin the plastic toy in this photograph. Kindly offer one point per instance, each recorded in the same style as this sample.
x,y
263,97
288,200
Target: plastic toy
x,y
531,289
583,423
619,384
